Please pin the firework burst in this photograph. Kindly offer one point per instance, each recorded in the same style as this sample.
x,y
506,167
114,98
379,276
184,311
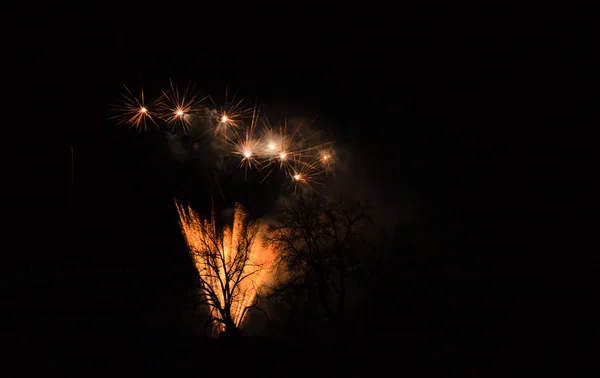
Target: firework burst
x,y
295,151
232,263
230,115
133,111
245,144
180,107
304,174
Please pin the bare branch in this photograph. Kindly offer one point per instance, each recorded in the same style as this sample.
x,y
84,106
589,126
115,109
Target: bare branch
x,y
228,262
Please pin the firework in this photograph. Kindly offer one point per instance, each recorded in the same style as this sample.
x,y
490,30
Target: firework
x,y
294,154
305,174
245,145
257,144
232,263
180,107
133,111
230,115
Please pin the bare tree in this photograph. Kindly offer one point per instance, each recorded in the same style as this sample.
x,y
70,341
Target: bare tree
x,y
319,242
231,262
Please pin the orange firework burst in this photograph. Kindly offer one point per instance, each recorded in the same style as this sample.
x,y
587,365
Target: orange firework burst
x,y
133,111
276,148
230,115
295,152
232,264
326,159
180,108
304,174
246,145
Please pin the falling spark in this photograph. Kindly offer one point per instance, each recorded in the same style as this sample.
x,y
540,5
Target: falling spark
x,y
232,263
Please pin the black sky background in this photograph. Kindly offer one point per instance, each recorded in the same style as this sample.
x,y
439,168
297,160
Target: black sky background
x,y
402,117
410,118
451,91
411,113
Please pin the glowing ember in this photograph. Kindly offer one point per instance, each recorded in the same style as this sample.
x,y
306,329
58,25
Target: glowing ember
x,y
143,110
232,263
282,155
180,113
224,119
271,146
247,154
297,177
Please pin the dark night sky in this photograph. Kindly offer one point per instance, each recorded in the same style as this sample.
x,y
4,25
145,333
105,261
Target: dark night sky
x,y
423,149
413,115
425,146
423,113
426,105
407,119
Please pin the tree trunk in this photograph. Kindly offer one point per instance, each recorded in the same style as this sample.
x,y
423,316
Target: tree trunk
x,y
231,333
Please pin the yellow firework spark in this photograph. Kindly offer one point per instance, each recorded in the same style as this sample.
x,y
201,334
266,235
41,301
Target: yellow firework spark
x,y
295,150
180,107
303,174
245,144
134,111
294,154
232,263
275,148
230,115
326,159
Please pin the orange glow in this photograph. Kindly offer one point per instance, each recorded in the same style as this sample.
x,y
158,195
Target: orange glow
x,y
232,263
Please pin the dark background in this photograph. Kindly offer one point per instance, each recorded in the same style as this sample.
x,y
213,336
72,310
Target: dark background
x,y
412,115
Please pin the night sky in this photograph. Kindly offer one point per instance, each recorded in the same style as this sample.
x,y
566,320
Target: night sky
x,y
409,116
414,140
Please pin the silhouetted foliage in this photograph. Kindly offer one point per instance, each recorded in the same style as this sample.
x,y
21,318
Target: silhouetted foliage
x,y
322,250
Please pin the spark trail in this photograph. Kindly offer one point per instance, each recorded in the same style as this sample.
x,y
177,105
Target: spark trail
x,y
232,264
252,140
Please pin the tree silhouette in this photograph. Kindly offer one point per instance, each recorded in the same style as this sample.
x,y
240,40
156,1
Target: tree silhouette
x,y
319,244
231,262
